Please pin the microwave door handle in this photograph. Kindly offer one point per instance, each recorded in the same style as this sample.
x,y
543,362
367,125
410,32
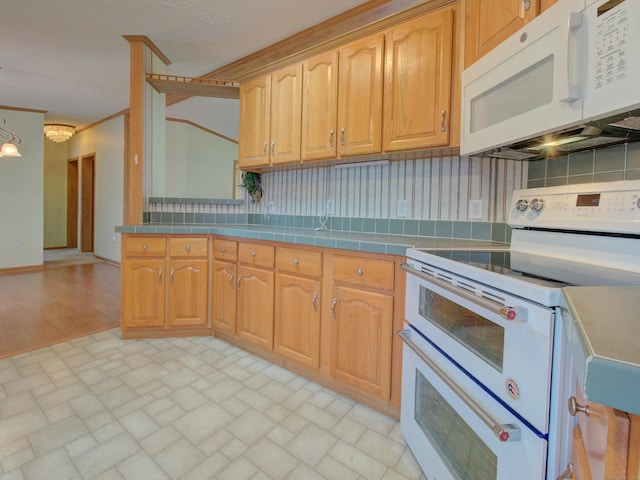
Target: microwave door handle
x,y
566,91
504,432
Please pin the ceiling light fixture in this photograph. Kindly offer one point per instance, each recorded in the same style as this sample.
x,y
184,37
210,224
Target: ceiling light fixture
x,y
58,132
9,148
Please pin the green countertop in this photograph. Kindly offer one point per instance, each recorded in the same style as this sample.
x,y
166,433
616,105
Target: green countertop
x,y
603,328
357,241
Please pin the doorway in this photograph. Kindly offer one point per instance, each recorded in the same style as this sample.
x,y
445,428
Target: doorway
x,y
72,204
87,194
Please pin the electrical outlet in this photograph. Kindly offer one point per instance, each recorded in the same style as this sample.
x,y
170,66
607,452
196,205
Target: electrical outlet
x,y
17,247
271,207
330,205
115,239
402,208
475,209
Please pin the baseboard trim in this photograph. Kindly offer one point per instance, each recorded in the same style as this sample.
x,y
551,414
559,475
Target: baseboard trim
x,y
22,269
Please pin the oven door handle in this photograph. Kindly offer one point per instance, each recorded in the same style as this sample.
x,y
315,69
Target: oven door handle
x,y
505,432
508,313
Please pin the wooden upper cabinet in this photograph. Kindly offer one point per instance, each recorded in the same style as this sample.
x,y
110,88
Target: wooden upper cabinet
x,y
286,115
489,22
255,111
319,106
418,81
360,97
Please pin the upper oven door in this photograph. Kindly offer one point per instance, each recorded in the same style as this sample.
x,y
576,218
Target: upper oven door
x,y
529,85
501,340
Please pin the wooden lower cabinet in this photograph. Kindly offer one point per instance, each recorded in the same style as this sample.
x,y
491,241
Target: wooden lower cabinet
x,y
164,284
255,305
297,319
224,296
361,336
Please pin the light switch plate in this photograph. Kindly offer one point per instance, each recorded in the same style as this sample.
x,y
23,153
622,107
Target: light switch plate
x,y
330,207
402,208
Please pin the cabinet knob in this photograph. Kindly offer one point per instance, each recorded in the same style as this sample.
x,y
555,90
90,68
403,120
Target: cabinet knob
x,y
222,249
359,272
253,254
144,248
188,248
295,261
527,4
567,474
575,407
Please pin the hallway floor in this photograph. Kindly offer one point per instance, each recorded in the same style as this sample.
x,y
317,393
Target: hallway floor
x,y
184,408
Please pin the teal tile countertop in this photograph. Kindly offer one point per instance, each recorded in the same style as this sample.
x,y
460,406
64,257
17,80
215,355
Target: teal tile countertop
x,y
358,241
603,327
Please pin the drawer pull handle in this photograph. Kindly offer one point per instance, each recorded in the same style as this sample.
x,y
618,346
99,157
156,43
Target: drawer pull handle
x,y
575,407
567,474
187,248
295,261
333,307
527,4
313,302
264,149
253,254
443,128
231,280
238,283
144,248
273,147
160,276
342,136
331,138
359,272
172,276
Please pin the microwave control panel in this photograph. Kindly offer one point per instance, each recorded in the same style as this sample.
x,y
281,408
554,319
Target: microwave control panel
x,y
611,46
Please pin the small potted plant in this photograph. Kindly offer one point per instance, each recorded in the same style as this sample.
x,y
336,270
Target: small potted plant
x,y
251,181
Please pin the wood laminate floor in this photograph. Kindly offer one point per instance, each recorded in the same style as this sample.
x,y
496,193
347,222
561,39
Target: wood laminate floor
x,y
38,309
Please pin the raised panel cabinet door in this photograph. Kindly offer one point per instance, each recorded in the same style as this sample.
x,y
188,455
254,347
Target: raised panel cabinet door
x,y
255,288
255,112
297,319
144,293
224,296
418,75
319,106
490,22
360,96
361,337
286,114
188,290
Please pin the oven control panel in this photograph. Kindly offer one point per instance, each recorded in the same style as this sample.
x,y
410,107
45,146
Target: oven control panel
x,y
599,207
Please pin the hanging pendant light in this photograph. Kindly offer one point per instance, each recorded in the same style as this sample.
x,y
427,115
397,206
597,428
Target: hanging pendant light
x,y
9,148
58,132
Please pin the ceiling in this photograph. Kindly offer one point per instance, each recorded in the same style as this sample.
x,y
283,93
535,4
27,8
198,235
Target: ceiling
x,y
69,59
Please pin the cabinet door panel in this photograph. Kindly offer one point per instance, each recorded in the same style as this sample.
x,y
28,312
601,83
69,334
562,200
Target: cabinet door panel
x,y
490,22
255,306
144,293
254,122
319,106
360,97
224,296
361,334
297,319
417,107
286,114
188,288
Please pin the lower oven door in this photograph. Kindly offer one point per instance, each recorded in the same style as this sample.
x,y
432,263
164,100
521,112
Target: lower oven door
x,y
469,322
455,429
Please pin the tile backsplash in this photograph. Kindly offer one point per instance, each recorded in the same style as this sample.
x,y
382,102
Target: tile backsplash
x,y
620,162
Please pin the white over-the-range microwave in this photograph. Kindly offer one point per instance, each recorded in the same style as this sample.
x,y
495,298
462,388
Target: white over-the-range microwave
x,y
569,80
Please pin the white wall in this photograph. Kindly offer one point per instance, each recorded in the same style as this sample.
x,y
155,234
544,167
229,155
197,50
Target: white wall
x,y
55,194
199,164
106,141
22,192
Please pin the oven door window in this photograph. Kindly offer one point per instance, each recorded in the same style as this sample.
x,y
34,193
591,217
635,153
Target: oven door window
x,y
463,451
474,331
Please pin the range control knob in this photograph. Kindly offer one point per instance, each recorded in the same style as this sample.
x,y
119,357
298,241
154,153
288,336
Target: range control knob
x,y
522,205
537,204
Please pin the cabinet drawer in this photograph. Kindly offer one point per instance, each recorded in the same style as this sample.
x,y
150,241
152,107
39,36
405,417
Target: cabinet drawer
x,y
364,272
145,246
225,249
303,262
256,254
188,247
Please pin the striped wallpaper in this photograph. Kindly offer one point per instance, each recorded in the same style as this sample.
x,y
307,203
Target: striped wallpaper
x,y
435,189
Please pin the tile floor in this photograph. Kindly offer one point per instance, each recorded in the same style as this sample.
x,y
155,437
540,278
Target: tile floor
x,y
186,408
